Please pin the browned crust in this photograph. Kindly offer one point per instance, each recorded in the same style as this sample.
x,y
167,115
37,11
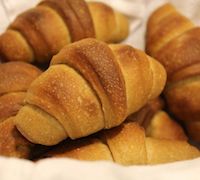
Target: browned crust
x,y
162,126
52,29
45,31
181,52
135,68
183,99
71,11
16,76
10,104
14,47
26,24
96,62
167,28
12,143
83,14
157,16
138,68
105,21
185,73
110,25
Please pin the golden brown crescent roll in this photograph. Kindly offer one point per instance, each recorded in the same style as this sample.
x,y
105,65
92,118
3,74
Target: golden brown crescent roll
x,y
161,126
175,41
157,123
126,145
89,86
40,32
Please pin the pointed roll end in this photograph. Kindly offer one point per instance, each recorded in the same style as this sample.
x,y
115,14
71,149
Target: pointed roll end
x,y
39,127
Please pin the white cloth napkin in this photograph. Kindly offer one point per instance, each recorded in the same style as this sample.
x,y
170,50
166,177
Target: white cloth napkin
x,y
63,169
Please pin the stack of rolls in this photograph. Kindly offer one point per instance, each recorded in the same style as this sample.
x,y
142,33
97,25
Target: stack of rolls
x,y
174,41
96,101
